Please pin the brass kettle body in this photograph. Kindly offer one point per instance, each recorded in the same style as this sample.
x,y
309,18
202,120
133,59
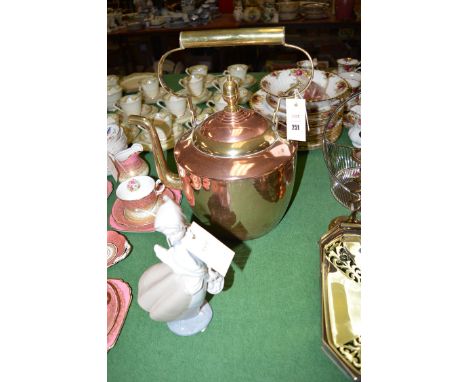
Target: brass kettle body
x,y
235,170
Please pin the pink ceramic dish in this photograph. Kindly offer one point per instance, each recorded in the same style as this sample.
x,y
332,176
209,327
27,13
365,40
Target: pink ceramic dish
x,y
118,221
118,248
109,188
119,296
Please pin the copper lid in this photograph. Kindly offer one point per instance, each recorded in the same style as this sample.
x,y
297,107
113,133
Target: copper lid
x,y
234,131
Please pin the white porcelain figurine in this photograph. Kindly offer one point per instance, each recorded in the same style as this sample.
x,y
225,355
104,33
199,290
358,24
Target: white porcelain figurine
x,y
174,290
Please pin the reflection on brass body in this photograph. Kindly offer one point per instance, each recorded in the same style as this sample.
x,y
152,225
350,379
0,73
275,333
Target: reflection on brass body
x,y
340,252
236,172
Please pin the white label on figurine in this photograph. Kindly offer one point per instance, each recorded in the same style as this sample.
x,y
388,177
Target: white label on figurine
x,y
207,248
295,119
113,169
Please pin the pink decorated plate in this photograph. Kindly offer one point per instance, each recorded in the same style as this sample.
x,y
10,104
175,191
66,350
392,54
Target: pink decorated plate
x,y
109,188
119,296
118,248
118,220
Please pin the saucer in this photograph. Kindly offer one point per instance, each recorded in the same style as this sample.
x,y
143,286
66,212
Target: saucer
x,y
205,96
259,103
118,248
248,81
119,222
119,296
147,110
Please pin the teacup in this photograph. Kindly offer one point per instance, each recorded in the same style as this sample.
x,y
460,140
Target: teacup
x,y
139,196
150,87
194,83
217,102
237,70
173,104
347,64
129,104
114,93
112,80
197,69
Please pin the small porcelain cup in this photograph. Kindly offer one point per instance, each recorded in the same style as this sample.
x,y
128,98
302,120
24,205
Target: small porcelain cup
x,y
217,102
114,93
197,69
237,70
130,104
347,64
194,83
150,87
139,196
112,80
173,104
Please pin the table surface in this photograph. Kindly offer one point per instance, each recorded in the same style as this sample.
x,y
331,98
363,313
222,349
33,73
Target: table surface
x,y
266,323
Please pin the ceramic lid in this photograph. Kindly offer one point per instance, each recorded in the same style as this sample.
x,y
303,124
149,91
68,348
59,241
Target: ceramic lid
x,y
234,131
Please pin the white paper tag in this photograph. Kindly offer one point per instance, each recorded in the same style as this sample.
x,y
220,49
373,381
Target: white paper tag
x,y
111,167
207,248
295,119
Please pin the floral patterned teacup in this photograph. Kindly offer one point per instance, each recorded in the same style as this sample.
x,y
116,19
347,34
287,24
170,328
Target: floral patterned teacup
x,y
139,196
347,64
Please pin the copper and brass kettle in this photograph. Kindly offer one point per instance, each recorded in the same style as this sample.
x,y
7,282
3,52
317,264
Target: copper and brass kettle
x,y
235,170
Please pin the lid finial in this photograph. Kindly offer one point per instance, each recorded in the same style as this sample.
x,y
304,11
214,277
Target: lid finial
x,y
231,94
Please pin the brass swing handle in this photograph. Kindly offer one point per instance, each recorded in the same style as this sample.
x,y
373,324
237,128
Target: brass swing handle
x,y
230,37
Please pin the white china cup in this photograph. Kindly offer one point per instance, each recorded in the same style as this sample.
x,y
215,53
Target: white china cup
x,y
194,83
173,104
197,69
112,80
114,93
150,87
237,70
129,104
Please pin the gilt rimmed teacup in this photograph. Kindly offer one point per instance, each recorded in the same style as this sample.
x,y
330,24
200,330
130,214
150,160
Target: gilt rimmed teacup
x,y
347,64
173,104
194,83
149,86
237,70
129,104
197,69
139,196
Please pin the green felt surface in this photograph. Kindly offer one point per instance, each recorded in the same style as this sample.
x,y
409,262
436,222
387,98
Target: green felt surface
x,y
266,323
